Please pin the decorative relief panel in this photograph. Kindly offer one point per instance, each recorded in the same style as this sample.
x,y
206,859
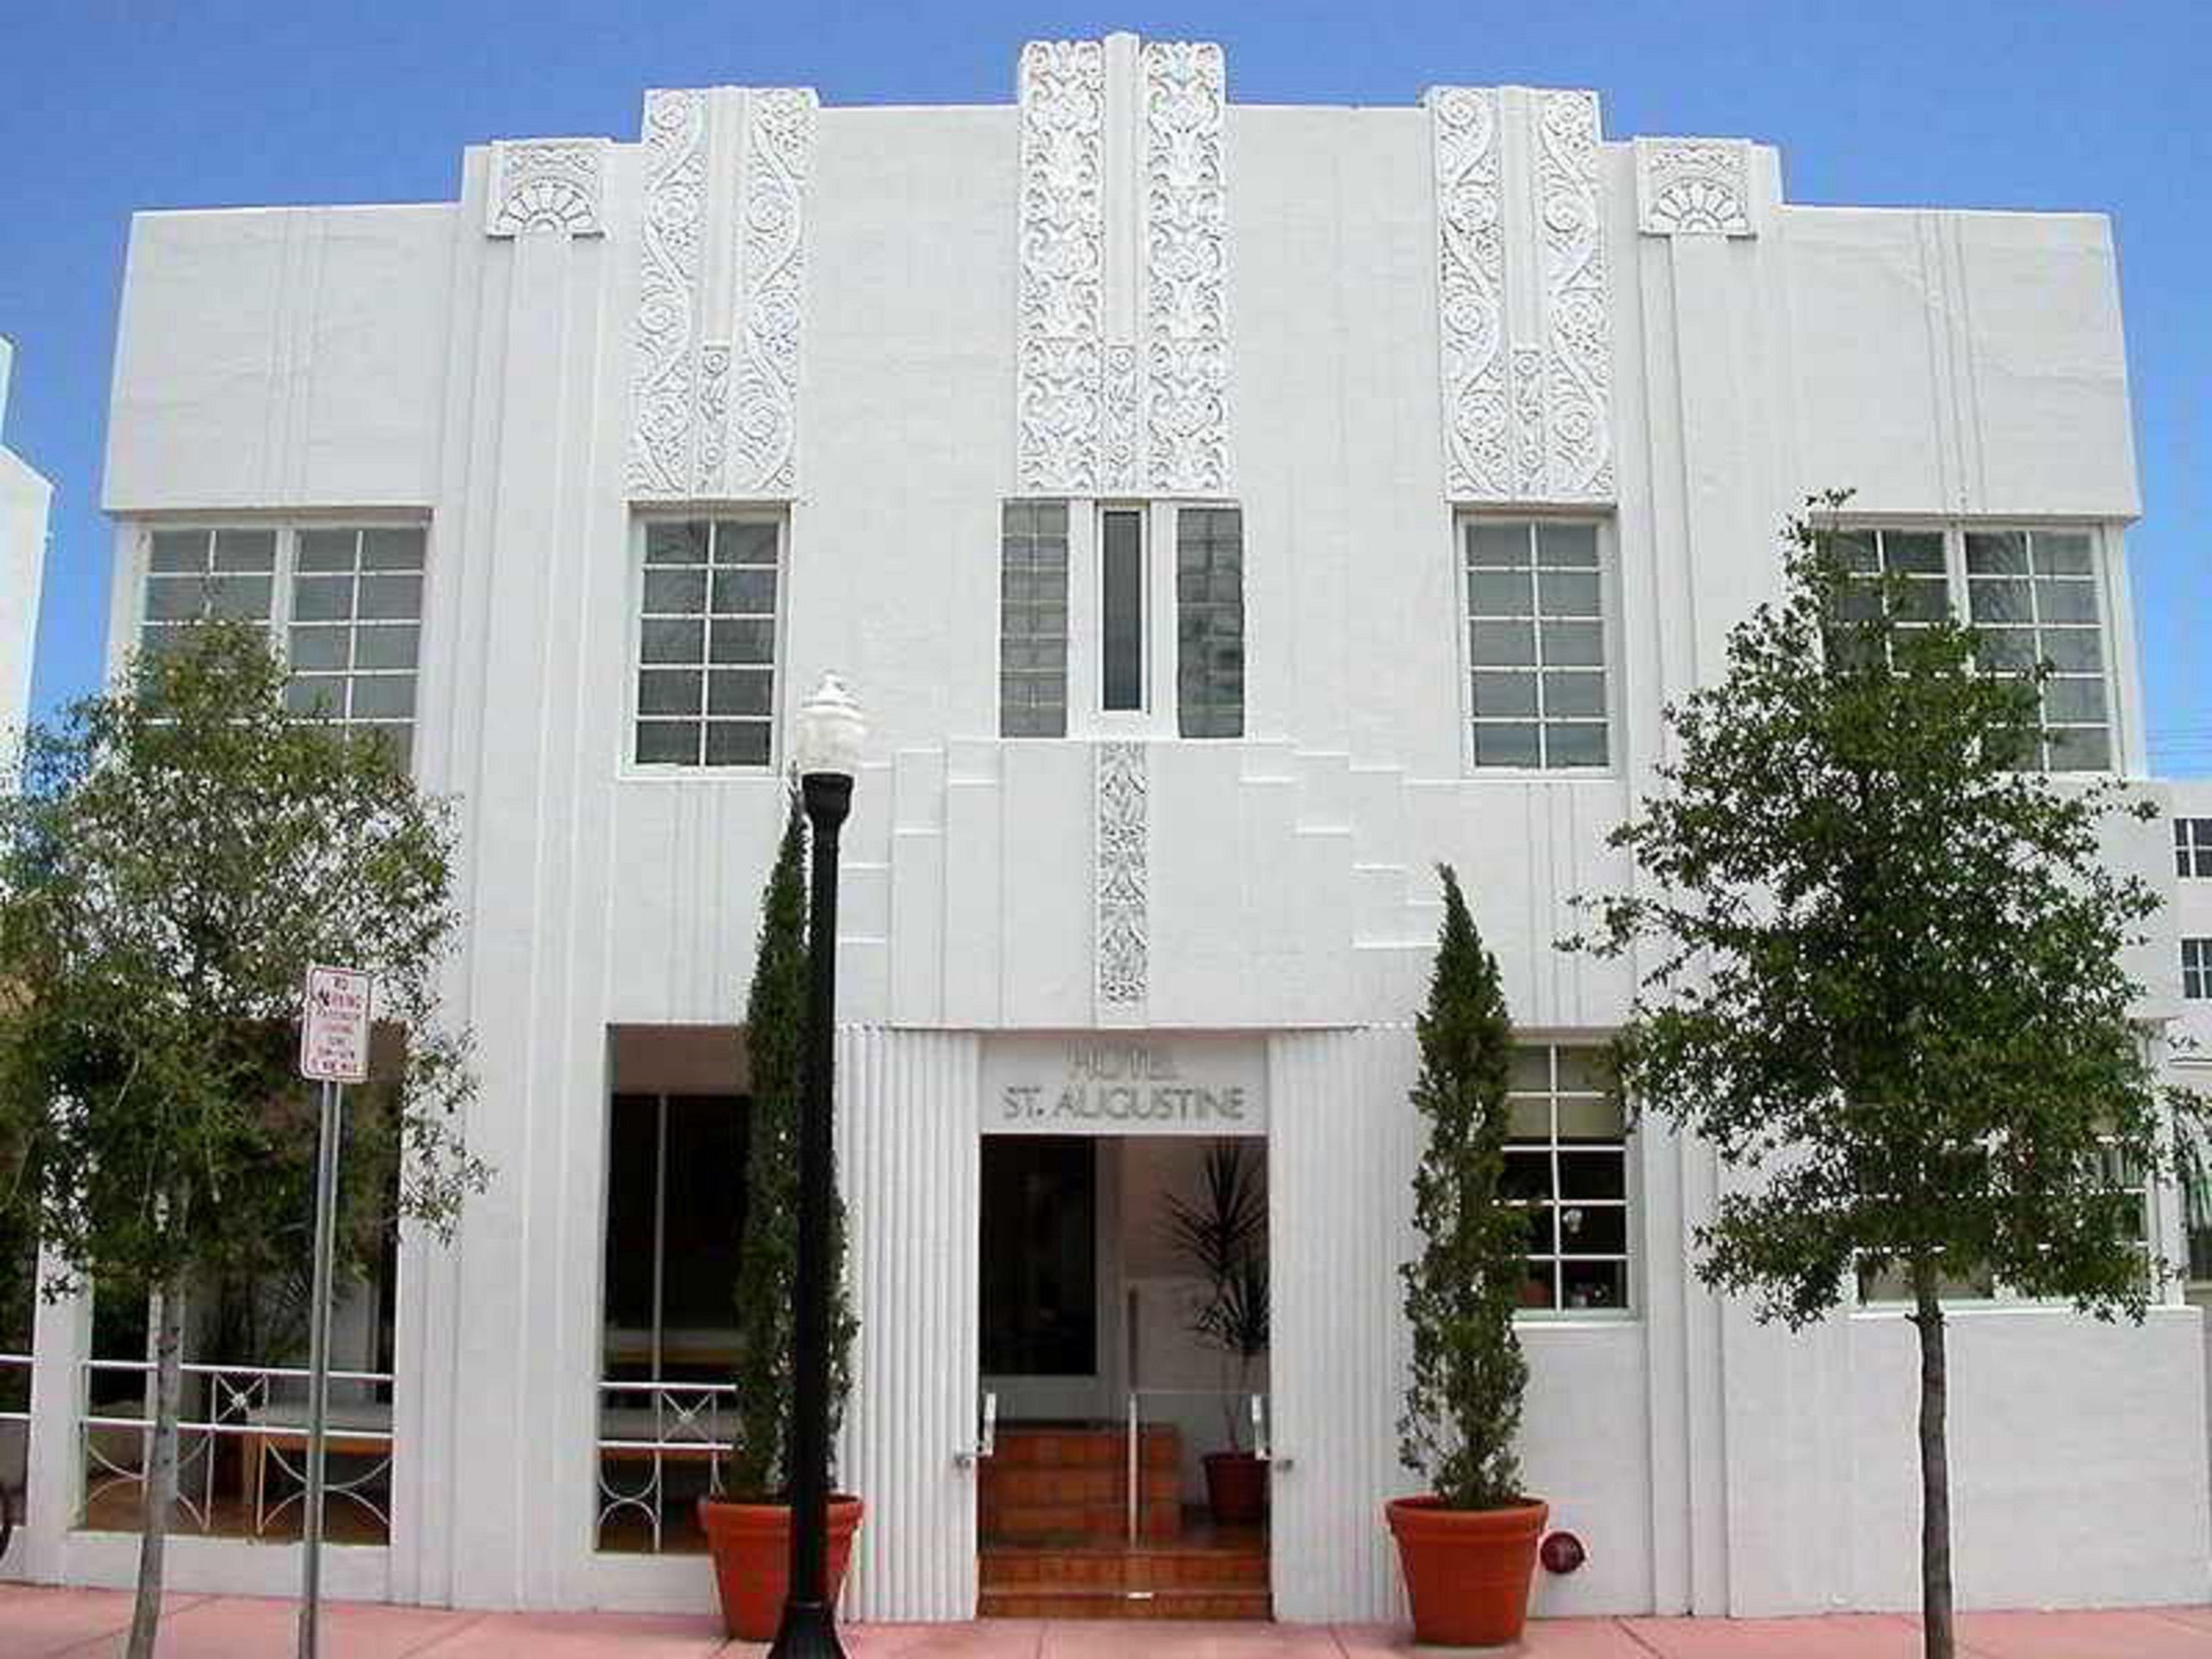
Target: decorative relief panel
x,y
1122,375
1471,280
545,184
1062,282
1525,369
1122,879
717,390
1186,259
662,448
1694,186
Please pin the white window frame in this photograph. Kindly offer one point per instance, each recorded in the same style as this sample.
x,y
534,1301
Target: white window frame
x,y
2191,847
1610,633
2201,967
629,768
1088,718
287,528
1631,1201
2122,715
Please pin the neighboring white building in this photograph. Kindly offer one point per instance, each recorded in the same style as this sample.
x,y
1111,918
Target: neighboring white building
x,y
25,499
1225,512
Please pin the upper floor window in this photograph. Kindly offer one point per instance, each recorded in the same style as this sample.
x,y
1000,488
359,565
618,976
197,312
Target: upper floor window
x,y
1536,643
2193,847
1083,623
706,642
2197,968
1566,1165
2032,595
344,602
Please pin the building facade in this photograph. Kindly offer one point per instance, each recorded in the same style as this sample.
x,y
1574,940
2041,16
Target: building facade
x,y
25,500
1225,513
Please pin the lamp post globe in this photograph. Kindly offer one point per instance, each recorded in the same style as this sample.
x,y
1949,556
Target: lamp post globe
x,y
828,751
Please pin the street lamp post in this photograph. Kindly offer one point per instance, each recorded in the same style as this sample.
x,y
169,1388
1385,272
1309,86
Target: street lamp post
x,y
830,731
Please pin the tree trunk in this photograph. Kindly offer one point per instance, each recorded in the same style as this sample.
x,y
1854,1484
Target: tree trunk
x,y
160,1484
1935,1469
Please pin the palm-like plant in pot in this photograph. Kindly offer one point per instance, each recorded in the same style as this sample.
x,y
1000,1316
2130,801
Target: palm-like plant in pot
x,y
1222,1237
1468,1545
748,1529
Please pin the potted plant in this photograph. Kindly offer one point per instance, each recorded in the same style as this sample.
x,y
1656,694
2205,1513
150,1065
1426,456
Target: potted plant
x,y
1223,1238
748,1530
1467,1546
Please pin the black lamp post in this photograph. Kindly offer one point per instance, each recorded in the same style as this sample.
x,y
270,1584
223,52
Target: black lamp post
x,y
830,731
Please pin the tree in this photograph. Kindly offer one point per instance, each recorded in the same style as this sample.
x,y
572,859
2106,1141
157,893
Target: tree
x,y
1884,978
180,853
1463,1400
768,1251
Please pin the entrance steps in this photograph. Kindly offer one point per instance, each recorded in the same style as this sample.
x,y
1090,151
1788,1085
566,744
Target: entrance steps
x,y
1203,1574
1046,1484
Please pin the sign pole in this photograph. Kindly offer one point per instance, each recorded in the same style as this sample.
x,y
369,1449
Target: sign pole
x,y
334,1034
318,1361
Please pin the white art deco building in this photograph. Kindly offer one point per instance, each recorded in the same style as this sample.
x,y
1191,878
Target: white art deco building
x,y
1226,513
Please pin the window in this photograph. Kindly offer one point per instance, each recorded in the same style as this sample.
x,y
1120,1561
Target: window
x,y
705,677
1084,631
1039,1200
2032,595
1536,644
1122,609
2193,847
1566,1165
1210,621
345,602
1033,620
2197,968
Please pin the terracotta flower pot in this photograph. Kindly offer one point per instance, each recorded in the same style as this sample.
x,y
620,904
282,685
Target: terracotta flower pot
x,y
1236,1488
1467,1571
751,1547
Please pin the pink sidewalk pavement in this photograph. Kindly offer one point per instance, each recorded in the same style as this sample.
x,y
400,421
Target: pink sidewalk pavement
x,y
48,1624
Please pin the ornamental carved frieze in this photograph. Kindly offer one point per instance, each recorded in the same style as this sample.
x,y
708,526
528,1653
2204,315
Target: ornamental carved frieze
x,y
545,185
1694,186
1122,362
1526,366
1122,876
1061,348
716,397
1186,264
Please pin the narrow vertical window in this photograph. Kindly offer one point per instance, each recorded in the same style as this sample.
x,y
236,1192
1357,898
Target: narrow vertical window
x,y
2032,597
1536,644
1210,621
2197,968
1122,609
1033,620
2193,847
706,678
1566,1168
357,628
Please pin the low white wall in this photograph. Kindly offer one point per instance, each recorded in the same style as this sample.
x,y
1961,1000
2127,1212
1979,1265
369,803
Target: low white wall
x,y
1585,1449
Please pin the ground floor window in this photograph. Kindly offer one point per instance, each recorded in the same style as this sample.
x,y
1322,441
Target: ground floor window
x,y
1566,1165
675,1214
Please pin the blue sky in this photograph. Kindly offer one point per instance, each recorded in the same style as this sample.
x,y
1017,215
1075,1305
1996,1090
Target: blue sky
x,y
115,104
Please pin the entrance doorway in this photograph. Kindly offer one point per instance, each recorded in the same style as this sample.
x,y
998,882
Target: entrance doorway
x,y
1123,1341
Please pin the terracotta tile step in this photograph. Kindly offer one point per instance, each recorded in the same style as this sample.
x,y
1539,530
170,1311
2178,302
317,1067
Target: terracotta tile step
x,y
1111,1604
1073,1485
1074,1523
1163,1569
1160,1447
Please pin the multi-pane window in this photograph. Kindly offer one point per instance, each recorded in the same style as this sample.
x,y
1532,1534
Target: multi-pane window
x,y
1210,621
1566,1165
705,677
1536,643
2197,968
2193,847
1033,620
1121,610
2031,597
345,602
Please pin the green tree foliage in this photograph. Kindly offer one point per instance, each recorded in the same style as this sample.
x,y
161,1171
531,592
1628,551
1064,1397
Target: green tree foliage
x,y
1463,1400
1880,972
1223,1238
180,852
768,1253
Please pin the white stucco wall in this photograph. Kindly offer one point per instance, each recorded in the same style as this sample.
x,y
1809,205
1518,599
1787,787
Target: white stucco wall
x,y
1948,366
26,497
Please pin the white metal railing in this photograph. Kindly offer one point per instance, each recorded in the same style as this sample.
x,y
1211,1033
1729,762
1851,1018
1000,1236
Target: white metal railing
x,y
1256,1404
264,1409
654,1424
